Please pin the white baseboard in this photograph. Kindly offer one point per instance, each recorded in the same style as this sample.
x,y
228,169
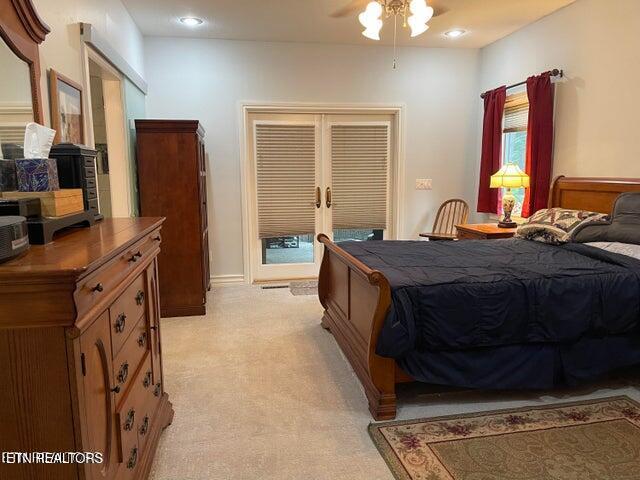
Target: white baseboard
x,y
226,279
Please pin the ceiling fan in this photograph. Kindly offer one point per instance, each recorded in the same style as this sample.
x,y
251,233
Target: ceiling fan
x,y
393,6
414,13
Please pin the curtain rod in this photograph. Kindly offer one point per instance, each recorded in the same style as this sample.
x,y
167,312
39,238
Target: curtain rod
x,y
554,73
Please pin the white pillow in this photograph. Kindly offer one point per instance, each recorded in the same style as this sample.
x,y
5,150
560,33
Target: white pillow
x,y
628,249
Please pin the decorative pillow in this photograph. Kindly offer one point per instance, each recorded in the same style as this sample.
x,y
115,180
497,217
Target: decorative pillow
x,y
556,225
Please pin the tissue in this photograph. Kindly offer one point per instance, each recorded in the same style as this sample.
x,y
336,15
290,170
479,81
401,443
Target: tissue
x,y
38,141
36,172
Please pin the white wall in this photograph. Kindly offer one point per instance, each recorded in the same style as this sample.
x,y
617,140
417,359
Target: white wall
x,y
61,49
207,79
596,43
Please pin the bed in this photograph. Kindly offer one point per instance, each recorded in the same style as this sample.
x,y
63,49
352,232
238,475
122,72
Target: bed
x,y
360,302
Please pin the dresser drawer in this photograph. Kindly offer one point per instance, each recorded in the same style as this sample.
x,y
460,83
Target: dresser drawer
x,y
467,235
90,172
130,418
103,282
128,360
148,410
91,193
90,182
126,311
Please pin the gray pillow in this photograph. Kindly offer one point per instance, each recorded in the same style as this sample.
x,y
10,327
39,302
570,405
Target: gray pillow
x,y
622,227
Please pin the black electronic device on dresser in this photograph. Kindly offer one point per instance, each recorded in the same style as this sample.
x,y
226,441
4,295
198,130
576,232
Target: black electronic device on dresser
x,y
14,239
77,169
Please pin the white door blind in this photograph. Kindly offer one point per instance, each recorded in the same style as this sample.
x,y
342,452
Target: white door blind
x,y
516,113
285,161
360,172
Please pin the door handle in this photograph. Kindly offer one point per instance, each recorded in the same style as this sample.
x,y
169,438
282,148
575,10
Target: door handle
x,y
318,197
328,197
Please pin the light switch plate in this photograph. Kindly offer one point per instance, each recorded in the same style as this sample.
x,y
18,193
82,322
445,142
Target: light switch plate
x,y
424,184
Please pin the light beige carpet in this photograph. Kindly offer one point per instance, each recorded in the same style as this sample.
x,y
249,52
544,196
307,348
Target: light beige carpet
x,y
592,440
262,392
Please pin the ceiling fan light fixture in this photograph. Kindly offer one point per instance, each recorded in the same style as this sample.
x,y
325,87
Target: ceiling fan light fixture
x,y
373,30
371,14
420,9
418,26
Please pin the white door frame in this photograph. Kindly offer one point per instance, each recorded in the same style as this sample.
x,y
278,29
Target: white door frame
x,y
246,108
113,89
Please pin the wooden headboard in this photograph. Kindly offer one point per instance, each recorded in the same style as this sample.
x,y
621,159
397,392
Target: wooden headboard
x,y
592,194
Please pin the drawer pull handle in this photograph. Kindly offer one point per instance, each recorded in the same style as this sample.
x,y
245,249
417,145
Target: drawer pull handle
x,y
158,390
146,382
133,459
142,339
144,428
131,417
121,321
116,389
135,256
123,373
98,288
140,298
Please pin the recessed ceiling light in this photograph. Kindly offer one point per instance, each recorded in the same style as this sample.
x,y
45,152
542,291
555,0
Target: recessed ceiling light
x,y
191,21
455,33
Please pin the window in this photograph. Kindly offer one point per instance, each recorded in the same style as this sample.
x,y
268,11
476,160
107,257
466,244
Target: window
x,y
514,139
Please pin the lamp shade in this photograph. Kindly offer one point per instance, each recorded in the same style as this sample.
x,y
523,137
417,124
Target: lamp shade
x,y
510,176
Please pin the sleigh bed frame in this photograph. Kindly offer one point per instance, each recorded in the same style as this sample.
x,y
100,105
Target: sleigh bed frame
x,y
356,298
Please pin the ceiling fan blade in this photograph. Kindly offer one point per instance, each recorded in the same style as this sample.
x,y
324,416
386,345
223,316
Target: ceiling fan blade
x,y
438,7
351,8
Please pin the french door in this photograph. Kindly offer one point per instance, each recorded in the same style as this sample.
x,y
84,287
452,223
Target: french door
x,y
310,174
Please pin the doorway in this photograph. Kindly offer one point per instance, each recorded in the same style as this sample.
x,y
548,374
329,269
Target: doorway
x,y
109,138
311,173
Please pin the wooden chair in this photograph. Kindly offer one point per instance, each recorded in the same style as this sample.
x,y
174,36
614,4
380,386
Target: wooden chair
x,y
451,213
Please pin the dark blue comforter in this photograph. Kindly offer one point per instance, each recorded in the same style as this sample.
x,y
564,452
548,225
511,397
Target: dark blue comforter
x,y
451,296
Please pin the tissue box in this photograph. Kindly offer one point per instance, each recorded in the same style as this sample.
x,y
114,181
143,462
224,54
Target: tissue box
x,y
8,179
37,174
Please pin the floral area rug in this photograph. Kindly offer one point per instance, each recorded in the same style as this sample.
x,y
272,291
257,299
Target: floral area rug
x,y
591,440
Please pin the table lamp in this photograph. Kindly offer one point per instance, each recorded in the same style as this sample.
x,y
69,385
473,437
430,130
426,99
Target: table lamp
x,y
509,176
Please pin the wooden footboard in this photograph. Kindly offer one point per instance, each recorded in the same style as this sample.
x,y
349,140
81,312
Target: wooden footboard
x,y
356,300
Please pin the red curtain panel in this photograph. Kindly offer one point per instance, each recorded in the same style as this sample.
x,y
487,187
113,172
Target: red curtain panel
x,y
491,148
539,143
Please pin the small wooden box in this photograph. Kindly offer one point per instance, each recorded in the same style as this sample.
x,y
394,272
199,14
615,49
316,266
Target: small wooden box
x,y
54,204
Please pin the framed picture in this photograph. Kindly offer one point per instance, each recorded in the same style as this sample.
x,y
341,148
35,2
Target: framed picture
x,y
67,115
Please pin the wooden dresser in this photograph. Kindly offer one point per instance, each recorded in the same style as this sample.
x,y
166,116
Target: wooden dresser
x,y
172,183
80,354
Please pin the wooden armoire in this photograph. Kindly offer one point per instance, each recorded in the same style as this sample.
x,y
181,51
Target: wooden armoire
x,y
172,184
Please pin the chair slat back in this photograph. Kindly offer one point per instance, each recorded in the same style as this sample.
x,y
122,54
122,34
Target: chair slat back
x,y
451,213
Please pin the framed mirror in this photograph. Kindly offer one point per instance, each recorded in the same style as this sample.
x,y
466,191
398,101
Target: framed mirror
x,y
21,33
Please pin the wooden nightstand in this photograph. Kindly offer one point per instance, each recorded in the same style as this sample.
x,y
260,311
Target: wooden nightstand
x,y
483,231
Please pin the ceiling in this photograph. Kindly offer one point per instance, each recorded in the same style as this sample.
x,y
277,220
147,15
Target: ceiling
x,y
310,20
